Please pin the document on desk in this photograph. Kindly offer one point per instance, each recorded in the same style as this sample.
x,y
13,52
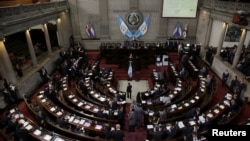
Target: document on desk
x,y
59,113
173,106
197,97
150,126
71,118
29,127
201,119
87,124
82,121
180,124
191,122
222,106
47,137
79,104
70,96
102,99
186,104
95,109
98,127
59,139
74,100
76,121
37,132
216,111
210,115
43,100
52,109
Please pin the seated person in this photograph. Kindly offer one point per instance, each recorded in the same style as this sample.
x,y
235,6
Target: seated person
x,y
166,100
203,71
182,73
193,113
157,134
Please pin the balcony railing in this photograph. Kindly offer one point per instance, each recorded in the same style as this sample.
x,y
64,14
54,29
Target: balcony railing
x,y
13,13
228,7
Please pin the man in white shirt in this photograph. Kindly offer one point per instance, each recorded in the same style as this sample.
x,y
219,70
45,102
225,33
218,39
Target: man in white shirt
x,y
166,100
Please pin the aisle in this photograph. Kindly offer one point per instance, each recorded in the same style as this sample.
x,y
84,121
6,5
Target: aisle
x,y
138,135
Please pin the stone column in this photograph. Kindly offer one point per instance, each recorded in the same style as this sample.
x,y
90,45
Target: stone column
x,y
222,36
239,48
59,32
208,33
207,38
47,39
104,19
31,48
7,70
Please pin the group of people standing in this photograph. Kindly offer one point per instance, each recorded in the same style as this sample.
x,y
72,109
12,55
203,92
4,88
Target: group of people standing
x,y
236,86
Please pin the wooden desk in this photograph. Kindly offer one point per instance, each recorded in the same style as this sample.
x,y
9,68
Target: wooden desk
x,y
57,112
36,131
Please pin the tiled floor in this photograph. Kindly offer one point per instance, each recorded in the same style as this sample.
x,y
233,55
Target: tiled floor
x,y
137,86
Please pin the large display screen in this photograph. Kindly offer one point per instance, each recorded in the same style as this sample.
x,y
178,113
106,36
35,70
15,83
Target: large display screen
x,y
179,8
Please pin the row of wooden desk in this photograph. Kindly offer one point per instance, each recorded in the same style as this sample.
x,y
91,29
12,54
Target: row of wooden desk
x,y
36,131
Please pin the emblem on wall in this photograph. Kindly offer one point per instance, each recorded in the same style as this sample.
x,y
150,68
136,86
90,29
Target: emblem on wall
x,y
134,25
134,19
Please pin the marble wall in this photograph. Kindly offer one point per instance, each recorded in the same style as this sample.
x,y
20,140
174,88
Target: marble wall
x,y
97,12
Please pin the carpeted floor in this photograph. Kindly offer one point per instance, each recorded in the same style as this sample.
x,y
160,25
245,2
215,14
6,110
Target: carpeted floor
x,y
143,85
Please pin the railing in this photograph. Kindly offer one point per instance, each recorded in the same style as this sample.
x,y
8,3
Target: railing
x,y
25,11
223,6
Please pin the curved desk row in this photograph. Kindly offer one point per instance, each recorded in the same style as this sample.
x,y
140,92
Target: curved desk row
x,y
72,119
36,131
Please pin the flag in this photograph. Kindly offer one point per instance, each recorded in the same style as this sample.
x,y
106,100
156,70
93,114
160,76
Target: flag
x,y
130,70
89,29
184,34
92,31
177,30
123,27
143,28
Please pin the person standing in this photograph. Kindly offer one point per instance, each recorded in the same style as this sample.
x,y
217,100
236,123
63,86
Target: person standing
x,y
225,76
132,120
129,90
19,70
118,134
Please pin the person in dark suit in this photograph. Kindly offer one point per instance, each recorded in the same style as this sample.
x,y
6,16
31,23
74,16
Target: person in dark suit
x,y
132,120
44,74
138,97
108,133
191,137
225,76
129,90
21,134
120,117
193,113
157,134
118,134
40,117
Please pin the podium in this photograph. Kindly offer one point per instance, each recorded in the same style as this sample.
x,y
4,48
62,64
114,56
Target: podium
x,y
165,60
